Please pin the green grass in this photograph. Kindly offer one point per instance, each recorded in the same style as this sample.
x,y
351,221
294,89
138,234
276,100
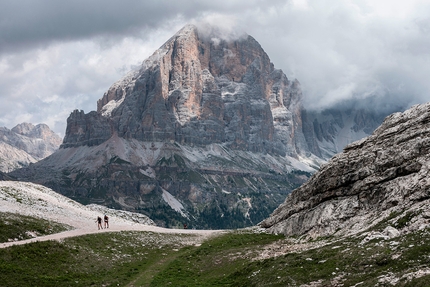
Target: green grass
x,y
215,262
18,227
105,259
231,259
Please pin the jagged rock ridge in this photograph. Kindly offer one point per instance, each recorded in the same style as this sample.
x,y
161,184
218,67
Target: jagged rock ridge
x,y
336,128
25,144
343,123
383,175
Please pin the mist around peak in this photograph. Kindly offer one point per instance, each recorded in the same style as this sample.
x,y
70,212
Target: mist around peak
x,y
219,27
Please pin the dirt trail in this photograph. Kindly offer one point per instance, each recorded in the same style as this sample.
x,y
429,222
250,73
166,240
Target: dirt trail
x,y
41,202
200,234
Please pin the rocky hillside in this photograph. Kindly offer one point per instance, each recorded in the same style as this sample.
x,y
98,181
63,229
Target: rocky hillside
x,y
31,213
384,177
25,144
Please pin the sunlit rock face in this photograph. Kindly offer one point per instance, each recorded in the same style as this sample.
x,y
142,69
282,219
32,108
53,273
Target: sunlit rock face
x,y
206,131
384,174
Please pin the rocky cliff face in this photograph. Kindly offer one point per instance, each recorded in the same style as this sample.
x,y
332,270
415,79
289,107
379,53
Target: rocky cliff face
x,y
198,89
382,177
25,144
334,128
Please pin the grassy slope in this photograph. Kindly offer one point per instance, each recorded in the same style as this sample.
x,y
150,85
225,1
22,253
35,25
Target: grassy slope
x,y
151,259
19,227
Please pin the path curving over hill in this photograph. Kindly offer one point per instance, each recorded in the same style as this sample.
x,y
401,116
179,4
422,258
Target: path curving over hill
x,y
41,202
200,234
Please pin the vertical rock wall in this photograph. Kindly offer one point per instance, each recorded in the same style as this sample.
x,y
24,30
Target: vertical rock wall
x,y
198,89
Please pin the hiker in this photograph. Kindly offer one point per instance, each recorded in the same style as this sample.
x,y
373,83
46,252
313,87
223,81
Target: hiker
x,y
99,222
106,221
185,226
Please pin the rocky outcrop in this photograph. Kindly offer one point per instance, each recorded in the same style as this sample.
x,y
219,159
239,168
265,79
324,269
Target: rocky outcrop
x,y
384,174
4,176
86,129
25,144
12,158
39,141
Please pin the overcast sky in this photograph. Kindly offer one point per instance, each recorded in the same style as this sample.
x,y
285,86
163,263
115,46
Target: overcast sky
x,y
57,56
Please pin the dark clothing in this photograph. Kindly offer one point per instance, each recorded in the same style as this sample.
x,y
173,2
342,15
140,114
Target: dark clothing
x,y
106,221
99,222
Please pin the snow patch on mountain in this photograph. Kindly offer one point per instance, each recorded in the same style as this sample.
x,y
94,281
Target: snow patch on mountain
x,y
154,59
173,203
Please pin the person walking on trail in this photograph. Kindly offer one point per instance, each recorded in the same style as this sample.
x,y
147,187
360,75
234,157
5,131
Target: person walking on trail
x,y
106,218
99,222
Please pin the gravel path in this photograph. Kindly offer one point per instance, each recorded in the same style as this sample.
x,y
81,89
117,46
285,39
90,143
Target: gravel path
x,y
200,234
39,201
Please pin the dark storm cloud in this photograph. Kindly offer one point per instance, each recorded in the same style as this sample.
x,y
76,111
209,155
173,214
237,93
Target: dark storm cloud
x,y
25,23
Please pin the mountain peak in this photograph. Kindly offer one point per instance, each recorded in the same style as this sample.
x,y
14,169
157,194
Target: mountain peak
x,y
25,144
23,128
188,29
203,79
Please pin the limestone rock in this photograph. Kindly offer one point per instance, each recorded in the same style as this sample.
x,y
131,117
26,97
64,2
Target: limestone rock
x,y
385,173
25,144
199,90
86,129
206,130
203,121
334,128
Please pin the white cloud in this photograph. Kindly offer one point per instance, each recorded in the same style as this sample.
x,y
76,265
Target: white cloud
x,y
49,83
300,4
337,49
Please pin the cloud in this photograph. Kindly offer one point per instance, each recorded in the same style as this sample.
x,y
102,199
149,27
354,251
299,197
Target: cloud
x,y
340,50
58,56
220,27
38,22
28,23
